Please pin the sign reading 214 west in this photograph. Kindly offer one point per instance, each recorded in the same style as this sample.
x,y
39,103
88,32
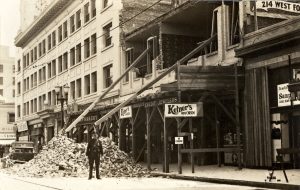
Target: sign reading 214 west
x,y
184,110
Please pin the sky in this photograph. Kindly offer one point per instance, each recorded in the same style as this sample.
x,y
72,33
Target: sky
x,y
9,23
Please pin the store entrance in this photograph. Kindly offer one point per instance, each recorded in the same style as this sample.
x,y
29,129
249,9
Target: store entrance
x,y
295,137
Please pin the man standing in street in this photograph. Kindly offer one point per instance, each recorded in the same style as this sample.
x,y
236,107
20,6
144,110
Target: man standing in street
x,y
93,152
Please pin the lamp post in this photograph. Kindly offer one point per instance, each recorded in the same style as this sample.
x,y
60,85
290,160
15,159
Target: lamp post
x,y
62,96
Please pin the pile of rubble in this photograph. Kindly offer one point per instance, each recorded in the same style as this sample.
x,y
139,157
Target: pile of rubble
x,y
63,157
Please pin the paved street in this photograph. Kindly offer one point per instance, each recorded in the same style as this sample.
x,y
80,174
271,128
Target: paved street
x,y
14,182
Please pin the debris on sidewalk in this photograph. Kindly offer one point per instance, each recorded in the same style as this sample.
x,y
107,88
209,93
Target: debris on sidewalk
x,y
63,157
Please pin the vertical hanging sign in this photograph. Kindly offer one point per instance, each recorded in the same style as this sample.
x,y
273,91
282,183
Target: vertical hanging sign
x,y
126,112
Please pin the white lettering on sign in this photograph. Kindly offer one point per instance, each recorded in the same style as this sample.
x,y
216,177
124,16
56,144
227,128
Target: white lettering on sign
x,y
178,140
126,112
281,5
183,110
7,136
284,96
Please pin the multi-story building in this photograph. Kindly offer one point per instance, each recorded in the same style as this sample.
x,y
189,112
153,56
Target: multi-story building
x,y
7,78
72,43
7,128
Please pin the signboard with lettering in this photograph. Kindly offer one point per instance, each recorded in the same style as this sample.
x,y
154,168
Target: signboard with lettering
x,y
283,96
178,140
22,126
126,112
279,5
7,136
184,110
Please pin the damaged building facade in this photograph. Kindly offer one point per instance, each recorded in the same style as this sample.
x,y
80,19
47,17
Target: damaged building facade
x,y
193,44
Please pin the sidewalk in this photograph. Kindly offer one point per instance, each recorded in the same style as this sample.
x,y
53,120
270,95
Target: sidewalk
x,y
232,175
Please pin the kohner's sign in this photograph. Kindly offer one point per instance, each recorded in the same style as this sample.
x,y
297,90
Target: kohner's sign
x,y
284,96
281,5
183,110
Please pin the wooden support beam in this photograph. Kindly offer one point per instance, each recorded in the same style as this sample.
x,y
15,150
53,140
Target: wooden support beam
x,y
237,116
227,112
148,139
203,150
166,158
191,141
160,113
217,136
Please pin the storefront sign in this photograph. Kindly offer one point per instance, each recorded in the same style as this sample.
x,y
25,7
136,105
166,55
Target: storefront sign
x,y
126,112
284,96
7,136
279,5
178,140
23,138
22,126
155,102
183,110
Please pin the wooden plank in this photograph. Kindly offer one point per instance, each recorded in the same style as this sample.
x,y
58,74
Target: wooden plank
x,y
165,149
217,136
204,150
208,76
148,139
192,144
237,115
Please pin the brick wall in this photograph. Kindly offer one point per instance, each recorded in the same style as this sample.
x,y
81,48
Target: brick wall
x,y
174,47
133,7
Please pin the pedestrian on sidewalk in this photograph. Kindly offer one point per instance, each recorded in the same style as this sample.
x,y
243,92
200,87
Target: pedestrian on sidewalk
x,y
93,152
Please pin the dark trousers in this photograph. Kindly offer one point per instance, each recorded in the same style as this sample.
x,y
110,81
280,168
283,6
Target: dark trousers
x,y
93,160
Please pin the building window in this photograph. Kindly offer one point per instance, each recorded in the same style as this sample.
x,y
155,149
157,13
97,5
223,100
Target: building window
x,y
78,88
93,44
40,106
78,53
105,3
40,49
27,59
53,67
31,57
53,97
53,38
49,42
11,117
43,47
1,92
78,19
35,79
35,53
31,106
18,111
27,84
65,60
94,82
86,13
72,90
1,68
19,65
93,8
1,80
14,93
14,81
107,37
60,35
129,59
35,105
107,76
87,48
49,98
49,70
60,64
72,24
19,88
87,85
65,29
72,57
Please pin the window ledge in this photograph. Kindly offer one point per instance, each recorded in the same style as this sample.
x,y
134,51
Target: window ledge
x,y
107,7
125,83
51,78
62,72
76,30
88,22
90,94
107,47
90,57
41,56
44,82
59,43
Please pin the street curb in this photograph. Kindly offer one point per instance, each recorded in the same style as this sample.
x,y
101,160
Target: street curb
x,y
229,181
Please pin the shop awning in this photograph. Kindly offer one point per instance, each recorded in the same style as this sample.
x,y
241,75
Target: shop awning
x,y
7,141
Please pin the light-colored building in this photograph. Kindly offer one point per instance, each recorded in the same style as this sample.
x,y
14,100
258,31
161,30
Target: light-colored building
x,y
7,129
74,43
7,78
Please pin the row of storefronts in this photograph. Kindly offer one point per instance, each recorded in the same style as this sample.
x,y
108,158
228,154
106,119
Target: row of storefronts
x,y
238,95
